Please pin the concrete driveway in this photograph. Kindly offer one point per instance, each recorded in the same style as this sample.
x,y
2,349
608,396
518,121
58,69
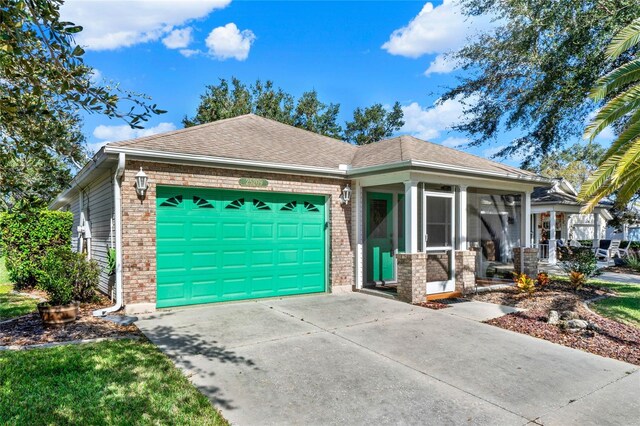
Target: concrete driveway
x,y
360,359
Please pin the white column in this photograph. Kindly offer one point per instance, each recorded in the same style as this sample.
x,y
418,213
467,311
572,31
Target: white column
x,y
462,217
357,211
596,229
552,238
625,232
411,216
526,220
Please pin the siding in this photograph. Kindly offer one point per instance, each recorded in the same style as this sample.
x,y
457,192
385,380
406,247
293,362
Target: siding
x,y
98,200
74,207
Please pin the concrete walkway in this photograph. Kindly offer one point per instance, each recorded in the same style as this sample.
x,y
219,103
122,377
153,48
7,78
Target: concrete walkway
x,y
357,359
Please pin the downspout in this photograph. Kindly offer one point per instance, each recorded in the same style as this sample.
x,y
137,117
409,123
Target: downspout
x,y
117,195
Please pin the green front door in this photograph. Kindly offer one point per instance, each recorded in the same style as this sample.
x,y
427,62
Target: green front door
x,y
380,256
217,245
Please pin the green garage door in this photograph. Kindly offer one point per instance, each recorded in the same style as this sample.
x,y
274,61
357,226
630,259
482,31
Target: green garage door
x,y
217,245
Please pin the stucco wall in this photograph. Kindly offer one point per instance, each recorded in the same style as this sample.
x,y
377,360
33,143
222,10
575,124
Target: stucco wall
x,y
139,219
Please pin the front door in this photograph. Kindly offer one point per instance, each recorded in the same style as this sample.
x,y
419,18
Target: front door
x,y
439,241
380,250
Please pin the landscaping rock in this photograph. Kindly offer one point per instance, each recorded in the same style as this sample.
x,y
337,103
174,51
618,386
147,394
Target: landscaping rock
x,y
554,318
593,327
569,315
577,323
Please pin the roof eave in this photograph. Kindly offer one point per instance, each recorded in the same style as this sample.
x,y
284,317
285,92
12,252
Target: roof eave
x,y
95,162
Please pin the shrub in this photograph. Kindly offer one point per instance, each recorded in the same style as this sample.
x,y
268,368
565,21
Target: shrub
x,y
633,261
111,261
543,279
27,236
525,284
582,260
69,276
577,280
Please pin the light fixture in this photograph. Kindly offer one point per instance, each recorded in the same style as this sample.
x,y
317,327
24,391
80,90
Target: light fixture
x,y
141,182
346,195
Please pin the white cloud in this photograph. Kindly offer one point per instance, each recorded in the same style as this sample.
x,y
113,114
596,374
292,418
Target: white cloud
x,y
110,25
96,76
429,123
229,42
440,65
179,38
436,30
124,132
187,53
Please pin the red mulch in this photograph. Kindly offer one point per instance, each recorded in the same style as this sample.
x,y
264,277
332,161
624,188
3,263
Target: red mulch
x,y
28,329
613,340
433,305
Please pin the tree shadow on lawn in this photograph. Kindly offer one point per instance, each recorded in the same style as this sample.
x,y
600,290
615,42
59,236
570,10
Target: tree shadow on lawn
x,y
121,382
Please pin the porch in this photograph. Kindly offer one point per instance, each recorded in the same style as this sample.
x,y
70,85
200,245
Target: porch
x,y
443,234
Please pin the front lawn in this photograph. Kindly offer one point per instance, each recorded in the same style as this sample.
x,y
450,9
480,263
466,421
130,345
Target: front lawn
x,y
12,305
113,383
625,307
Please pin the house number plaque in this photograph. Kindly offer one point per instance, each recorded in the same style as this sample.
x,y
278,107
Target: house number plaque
x,y
253,182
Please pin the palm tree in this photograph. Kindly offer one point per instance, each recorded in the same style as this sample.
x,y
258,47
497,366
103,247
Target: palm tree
x,y
619,171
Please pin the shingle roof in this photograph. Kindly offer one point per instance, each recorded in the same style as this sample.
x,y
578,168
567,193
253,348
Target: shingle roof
x,y
403,148
250,137
253,138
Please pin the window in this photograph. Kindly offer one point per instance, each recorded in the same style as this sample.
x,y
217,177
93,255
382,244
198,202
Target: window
x,y
172,202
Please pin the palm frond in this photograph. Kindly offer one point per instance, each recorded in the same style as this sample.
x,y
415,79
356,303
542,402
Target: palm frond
x,y
613,110
630,187
620,77
599,178
630,157
628,37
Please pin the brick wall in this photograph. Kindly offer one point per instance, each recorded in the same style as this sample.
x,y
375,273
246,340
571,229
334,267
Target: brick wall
x,y
438,267
139,219
412,277
530,261
465,271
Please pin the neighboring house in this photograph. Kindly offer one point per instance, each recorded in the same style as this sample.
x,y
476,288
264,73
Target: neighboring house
x,y
248,207
557,208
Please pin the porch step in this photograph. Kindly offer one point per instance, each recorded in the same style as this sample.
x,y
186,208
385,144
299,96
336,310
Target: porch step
x,y
379,293
447,295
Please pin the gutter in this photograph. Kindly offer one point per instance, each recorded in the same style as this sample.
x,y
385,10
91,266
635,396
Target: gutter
x,y
117,195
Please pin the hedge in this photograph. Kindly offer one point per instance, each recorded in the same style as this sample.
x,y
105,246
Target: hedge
x,y
26,238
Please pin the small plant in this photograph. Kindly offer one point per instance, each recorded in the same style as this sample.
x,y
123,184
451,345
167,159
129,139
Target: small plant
x,y
68,277
577,280
111,261
583,261
525,284
633,261
543,279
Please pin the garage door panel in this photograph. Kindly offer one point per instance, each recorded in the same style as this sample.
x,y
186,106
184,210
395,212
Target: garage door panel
x,y
217,245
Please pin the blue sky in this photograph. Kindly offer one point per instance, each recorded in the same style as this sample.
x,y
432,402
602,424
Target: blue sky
x,y
353,53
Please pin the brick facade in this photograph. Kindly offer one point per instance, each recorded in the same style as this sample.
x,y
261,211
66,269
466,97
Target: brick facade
x,y
139,219
530,262
465,271
412,277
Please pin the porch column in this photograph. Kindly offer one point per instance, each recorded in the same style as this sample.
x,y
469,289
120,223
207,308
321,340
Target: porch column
x,y
411,216
625,232
596,230
358,231
526,220
462,217
552,238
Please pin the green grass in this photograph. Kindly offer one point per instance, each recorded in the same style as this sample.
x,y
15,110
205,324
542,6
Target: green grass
x,y
623,308
125,382
12,305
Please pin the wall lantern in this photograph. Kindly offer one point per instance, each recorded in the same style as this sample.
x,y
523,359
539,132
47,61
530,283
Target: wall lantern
x,y
346,195
141,182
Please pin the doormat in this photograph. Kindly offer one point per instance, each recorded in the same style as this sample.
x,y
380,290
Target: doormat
x,y
433,305
453,300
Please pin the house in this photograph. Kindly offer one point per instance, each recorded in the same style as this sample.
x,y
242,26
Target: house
x,y
249,207
557,208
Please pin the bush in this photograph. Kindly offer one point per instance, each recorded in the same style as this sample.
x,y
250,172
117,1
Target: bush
x,y
27,236
582,260
69,276
633,261
543,279
525,284
577,280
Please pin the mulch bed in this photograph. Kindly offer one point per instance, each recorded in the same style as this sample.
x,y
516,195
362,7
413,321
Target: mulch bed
x,y
28,329
620,270
613,340
433,305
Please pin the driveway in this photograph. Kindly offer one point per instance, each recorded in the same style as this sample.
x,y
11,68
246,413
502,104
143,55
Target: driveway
x,y
360,359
